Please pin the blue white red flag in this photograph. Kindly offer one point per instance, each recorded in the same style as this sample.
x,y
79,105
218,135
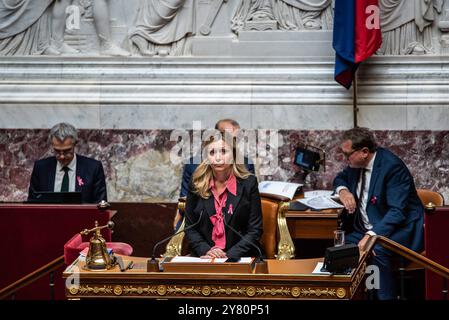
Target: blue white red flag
x,y
356,37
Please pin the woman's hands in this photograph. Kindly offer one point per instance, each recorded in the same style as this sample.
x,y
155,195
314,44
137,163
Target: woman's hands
x,y
214,253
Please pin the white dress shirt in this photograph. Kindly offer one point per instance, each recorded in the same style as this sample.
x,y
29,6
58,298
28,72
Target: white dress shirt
x,y
60,175
364,197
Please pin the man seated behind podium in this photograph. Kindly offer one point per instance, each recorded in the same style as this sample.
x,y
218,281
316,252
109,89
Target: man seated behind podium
x,y
227,195
67,171
380,198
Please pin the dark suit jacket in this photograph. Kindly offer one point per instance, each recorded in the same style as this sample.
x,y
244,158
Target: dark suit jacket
x,y
190,167
89,170
246,219
393,203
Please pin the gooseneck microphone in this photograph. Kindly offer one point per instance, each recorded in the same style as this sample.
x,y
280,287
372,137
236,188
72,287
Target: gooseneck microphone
x,y
260,258
153,256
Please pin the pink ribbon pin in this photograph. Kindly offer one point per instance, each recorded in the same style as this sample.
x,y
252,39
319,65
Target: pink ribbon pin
x,y
230,209
80,181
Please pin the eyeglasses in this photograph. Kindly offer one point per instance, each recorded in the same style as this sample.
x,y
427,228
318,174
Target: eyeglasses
x,y
64,153
349,154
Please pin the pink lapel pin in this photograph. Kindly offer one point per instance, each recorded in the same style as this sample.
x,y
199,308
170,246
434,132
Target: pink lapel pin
x,y
80,181
230,209
373,200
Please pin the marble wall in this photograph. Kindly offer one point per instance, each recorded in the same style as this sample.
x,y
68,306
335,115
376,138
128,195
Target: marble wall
x,y
138,166
268,64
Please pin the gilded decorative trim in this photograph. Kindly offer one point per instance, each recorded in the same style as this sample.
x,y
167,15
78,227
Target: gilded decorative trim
x,y
358,278
317,292
286,248
174,246
206,291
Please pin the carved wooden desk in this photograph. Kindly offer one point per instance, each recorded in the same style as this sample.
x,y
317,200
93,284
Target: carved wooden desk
x,y
312,224
288,279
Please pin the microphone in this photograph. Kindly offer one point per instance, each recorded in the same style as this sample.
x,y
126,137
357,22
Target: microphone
x,y
260,258
153,263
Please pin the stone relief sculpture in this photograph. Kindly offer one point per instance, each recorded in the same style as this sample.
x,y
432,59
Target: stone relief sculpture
x,y
99,11
169,27
283,15
37,27
25,27
164,27
406,25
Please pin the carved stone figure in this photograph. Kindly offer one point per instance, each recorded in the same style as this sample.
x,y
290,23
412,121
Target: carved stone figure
x,y
164,27
253,15
287,14
406,25
25,27
37,27
100,14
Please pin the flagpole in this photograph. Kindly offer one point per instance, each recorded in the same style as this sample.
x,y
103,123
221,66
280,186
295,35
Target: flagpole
x,y
355,108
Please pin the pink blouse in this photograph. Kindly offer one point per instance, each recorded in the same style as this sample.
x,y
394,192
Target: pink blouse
x,y
218,232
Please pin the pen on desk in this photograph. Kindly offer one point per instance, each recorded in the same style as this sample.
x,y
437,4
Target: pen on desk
x,y
130,265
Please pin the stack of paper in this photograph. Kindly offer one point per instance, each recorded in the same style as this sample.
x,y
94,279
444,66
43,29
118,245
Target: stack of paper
x,y
285,189
184,259
321,203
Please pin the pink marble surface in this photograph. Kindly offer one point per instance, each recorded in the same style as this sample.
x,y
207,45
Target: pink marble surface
x,y
426,153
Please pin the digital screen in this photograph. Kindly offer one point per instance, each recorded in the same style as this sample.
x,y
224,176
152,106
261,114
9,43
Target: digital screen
x,y
307,159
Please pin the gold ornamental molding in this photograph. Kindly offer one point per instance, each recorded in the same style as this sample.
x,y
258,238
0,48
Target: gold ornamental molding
x,y
206,291
358,278
286,248
174,246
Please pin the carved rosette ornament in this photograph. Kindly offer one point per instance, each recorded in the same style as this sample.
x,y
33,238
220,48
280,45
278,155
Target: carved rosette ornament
x,y
161,290
250,291
206,291
341,293
118,290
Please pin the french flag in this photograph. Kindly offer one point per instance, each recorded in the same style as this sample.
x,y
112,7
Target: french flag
x,y
356,36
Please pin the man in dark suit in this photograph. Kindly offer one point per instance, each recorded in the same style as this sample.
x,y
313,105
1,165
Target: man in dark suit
x,y
225,125
67,171
380,198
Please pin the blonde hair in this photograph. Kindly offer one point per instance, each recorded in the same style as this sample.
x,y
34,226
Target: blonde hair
x,y
203,173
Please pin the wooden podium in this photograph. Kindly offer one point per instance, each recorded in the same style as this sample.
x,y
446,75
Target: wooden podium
x,y
284,279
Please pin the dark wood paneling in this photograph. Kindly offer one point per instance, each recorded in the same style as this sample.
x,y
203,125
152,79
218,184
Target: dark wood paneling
x,y
142,225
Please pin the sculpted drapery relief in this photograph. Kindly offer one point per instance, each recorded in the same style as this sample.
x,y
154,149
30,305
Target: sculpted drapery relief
x,y
29,27
170,27
283,15
407,25
164,27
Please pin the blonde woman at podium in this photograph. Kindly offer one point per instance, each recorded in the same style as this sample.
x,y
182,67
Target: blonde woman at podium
x,y
223,201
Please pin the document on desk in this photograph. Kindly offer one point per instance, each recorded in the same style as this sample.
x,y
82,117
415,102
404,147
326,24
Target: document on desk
x,y
320,203
323,193
318,268
184,259
286,189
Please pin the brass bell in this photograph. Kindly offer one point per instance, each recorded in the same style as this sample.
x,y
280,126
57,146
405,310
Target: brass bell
x,y
98,257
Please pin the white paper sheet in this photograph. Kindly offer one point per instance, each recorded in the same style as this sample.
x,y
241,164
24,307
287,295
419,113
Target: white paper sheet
x,y
281,188
185,259
321,203
318,268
